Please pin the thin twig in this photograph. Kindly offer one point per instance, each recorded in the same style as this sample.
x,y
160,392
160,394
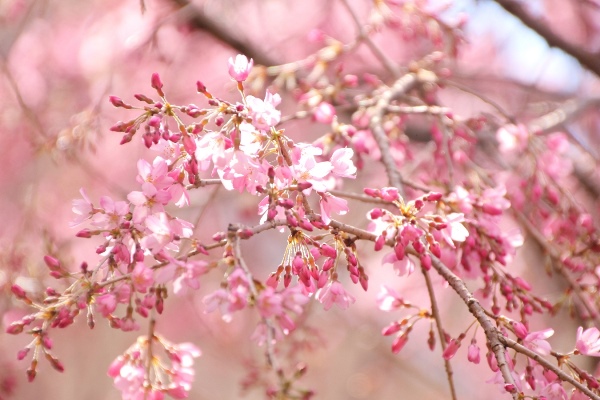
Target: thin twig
x,y
481,97
149,354
400,87
438,323
377,52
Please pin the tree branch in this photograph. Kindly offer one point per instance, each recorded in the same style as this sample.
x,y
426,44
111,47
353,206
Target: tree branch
x,y
587,59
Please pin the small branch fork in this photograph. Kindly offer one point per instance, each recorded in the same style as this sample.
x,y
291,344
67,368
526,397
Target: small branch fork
x,y
400,87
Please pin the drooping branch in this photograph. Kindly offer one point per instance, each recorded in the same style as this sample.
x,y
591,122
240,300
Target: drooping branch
x,y
586,58
491,332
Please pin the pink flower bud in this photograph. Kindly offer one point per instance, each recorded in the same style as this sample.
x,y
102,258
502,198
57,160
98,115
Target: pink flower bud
x,y
117,102
324,113
18,291
305,224
273,280
328,251
157,84
328,264
84,233
303,186
389,194
287,279
200,87
520,330
391,328
372,192
380,242
473,353
115,367
426,261
376,213
433,196
15,328
22,353
364,282
143,98
399,251
399,343
491,209
451,350
52,262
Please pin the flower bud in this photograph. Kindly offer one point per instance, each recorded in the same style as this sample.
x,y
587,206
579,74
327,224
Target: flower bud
x,y
157,84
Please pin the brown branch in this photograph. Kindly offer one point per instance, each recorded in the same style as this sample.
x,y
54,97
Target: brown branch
x,y
458,285
400,87
491,333
543,362
587,59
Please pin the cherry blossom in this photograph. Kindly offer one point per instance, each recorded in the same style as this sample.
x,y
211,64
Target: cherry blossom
x,y
240,68
264,112
334,293
536,341
588,341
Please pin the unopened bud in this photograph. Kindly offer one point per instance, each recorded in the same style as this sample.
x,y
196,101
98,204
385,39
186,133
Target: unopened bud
x,y
52,262
157,84
22,353
84,233
117,102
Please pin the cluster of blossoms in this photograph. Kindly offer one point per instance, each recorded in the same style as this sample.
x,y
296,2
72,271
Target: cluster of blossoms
x,y
140,373
146,252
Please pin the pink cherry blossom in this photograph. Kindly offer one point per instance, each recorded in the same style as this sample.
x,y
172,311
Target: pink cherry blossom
x,y
148,201
240,68
112,213
269,303
142,277
341,161
536,341
155,173
334,293
331,204
402,267
588,341
553,391
388,299
83,208
324,113
512,138
106,304
264,112
455,231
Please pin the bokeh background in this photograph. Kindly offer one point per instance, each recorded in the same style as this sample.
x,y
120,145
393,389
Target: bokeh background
x,y
59,62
